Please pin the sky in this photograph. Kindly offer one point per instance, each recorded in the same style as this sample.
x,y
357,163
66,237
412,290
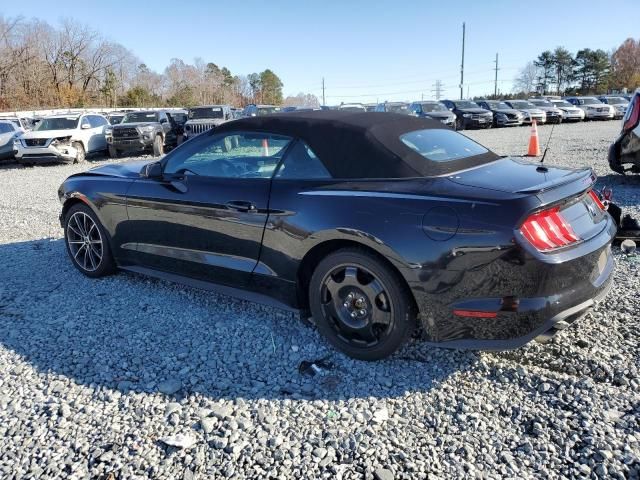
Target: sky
x,y
367,51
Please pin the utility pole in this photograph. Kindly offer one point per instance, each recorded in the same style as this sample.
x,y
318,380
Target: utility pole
x,y
323,102
495,86
462,64
437,89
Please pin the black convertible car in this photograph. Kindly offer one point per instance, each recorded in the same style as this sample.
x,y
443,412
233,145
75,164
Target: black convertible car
x,y
376,224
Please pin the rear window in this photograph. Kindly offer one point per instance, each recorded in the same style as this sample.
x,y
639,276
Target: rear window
x,y
441,145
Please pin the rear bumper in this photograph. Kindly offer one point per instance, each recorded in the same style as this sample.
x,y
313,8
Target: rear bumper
x,y
522,297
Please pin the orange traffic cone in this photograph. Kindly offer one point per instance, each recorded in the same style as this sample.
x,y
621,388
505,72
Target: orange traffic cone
x,y
265,148
534,144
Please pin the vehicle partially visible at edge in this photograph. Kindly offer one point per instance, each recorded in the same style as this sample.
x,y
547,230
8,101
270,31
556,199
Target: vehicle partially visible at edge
x,y
624,152
9,133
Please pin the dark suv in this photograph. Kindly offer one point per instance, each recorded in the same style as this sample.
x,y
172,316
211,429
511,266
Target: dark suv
x,y
433,109
469,114
503,114
152,130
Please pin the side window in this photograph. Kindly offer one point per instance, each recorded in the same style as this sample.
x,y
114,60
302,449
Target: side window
x,y
302,164
100,121
229,155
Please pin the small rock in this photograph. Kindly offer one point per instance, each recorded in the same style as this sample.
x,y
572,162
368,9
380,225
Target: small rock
x,y
381,415
179,441
383,474
319,452
207,424
169,387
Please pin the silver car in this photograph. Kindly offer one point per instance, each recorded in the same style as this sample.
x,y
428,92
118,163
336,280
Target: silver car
x,y
593,108
554,114
619,103
530,111
570,113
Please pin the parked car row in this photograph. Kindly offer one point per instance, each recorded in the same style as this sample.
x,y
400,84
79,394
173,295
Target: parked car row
x,y
462,114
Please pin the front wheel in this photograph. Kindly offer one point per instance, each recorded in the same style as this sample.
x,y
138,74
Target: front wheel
x,y
459,124
360,305
86,242
113,152
158,147
81,154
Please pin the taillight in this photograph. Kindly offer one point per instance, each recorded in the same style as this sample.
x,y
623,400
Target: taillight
x,y
633,114
548,230
596,199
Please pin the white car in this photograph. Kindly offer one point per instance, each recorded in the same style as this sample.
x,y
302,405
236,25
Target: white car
x,y
593,108
529,110
570,113
619,103
352,107
9,131
62,138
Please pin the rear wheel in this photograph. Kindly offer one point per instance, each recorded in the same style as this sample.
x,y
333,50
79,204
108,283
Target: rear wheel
x,y
113,152
360,305
86,242
158,147
81,154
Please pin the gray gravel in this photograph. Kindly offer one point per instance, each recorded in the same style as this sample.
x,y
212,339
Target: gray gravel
x,y
126,377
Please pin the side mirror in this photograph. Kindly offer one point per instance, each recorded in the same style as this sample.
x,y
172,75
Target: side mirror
x,y
151,170
85,126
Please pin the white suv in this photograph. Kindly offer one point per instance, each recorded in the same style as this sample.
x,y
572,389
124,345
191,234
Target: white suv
x,y
62,138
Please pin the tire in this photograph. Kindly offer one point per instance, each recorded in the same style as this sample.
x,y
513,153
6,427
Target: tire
x,y
87,242
459,124
82,155
377,293
113,152
158,146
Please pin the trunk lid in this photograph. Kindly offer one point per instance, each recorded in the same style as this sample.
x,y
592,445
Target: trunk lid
x,y
548,186
514,175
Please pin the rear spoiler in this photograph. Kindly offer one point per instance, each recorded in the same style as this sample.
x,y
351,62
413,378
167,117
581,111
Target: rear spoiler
x,y
576,185
585,178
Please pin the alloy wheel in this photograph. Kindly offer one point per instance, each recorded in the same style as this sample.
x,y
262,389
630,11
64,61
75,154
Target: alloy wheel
x,y
84,241
357,305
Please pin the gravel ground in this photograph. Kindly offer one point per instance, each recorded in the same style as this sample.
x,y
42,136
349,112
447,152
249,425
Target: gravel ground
x,y
126,377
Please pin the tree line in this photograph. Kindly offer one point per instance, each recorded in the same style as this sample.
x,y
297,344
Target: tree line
x,y
586,72
72,65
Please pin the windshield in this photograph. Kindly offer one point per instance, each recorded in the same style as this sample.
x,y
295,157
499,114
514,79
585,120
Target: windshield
x,y
115,119
401,108
267,110
442,145
136,117
616,101
522,104
209,112
561,103
178,117
466,104
57,123
590,101
498,106
6,128
433,107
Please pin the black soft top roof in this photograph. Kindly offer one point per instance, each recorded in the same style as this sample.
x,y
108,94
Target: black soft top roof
x,y
358,144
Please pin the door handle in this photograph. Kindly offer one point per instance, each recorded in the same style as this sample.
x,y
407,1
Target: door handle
x,y
242,206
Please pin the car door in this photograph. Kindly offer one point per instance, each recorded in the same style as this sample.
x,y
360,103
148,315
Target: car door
x,y
204,216
98,140
85,132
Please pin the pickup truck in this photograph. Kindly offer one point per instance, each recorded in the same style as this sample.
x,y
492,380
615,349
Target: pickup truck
x,y
153,131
